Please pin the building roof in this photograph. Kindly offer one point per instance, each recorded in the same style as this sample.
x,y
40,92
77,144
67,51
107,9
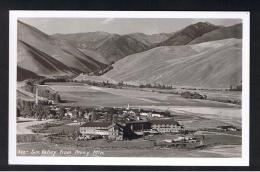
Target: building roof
x,y
118,127
96,124
226,126
165,121
139,121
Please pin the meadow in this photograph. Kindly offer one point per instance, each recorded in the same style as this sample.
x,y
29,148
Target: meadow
x,y
83,94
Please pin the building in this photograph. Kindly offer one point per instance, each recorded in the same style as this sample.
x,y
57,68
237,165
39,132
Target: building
x,y
228,128
68,114
154,114
166,125
111,131
146,114
140,125
87,116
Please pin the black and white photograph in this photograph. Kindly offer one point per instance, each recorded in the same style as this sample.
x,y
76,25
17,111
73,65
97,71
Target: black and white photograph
x,y
116,88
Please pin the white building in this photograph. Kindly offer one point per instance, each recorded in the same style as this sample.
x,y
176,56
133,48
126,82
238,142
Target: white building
x,y
109,130
158,115
166,126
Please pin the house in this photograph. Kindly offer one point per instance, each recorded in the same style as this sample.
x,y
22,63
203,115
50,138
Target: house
x,y
50,102
228,128
145,114
157,115
166,125
111,131
152,113
68,114
87,116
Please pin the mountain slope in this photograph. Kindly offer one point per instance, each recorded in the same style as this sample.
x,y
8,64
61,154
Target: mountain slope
x,y
150,40
23,74
215,64
45,55
188,34
234,31
87,43
105,47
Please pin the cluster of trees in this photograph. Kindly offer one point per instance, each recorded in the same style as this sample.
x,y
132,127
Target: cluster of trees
x,y
42,81
238,102
30,109
101,84
235,88
100,71
42,91
41,111
122,84
56,79
194,95
156,85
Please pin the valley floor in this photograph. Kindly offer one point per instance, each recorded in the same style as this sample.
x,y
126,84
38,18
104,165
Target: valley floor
x,y
87,95
192,113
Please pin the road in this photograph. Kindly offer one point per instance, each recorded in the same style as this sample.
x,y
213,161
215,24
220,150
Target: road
x,y
24,123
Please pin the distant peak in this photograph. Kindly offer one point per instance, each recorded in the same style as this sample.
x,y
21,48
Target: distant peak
x,y
200,26
204,23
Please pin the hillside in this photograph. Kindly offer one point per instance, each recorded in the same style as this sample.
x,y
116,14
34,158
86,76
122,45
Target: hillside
x,y
23,74
152,39
188,34
87,42
116,47
234,31
45,55
106,47
216,64
72,54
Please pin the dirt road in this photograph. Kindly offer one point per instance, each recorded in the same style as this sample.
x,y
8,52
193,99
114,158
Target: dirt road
x,y
22,127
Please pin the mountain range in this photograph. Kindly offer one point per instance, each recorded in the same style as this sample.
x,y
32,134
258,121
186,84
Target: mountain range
x,y
196,51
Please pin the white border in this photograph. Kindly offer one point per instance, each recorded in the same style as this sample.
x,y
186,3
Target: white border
x,y
13,159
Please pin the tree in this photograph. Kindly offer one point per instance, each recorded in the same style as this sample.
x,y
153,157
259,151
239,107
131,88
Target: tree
x,y
18,113
57,98
121,83
61,113
93,116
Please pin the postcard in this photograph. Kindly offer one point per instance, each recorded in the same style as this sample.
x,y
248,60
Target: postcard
x,y
129,88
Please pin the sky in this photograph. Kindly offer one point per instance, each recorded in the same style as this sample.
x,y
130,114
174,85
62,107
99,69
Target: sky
x,y
117,25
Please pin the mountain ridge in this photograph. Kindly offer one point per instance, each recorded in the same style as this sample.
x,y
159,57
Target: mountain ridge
x,y
215,64
184,36
234,31
33,41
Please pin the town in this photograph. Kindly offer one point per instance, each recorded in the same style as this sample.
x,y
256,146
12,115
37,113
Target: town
x,y
112,123
112,127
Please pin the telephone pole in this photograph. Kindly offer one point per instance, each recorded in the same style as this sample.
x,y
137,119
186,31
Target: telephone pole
x,y
36,94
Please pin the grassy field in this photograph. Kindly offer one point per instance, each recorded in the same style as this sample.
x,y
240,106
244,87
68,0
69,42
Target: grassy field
x,y
40,149
218,94
82,94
